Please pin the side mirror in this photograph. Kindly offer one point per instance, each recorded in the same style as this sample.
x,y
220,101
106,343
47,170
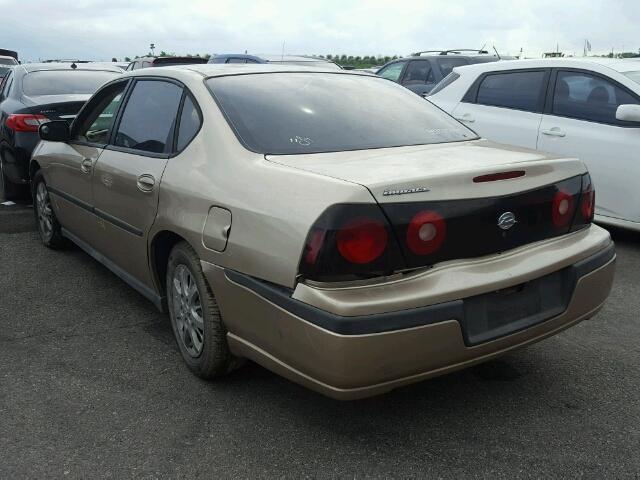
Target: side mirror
x,y
55,131
628,113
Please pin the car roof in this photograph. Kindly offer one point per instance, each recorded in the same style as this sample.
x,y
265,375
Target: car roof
x,y
619,65
226,69
35,67
274,57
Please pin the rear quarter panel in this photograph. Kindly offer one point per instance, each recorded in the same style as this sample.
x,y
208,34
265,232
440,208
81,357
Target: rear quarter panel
x,y
272,206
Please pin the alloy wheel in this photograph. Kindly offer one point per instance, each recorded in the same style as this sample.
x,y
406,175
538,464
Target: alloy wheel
x,y
45,214
187,310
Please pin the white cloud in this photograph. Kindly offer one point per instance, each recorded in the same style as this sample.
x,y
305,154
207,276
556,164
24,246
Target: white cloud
x,y
98,29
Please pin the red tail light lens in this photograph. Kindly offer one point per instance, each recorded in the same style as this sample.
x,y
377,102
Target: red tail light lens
x,y
588,202
562,209
362,240
426,232
20,122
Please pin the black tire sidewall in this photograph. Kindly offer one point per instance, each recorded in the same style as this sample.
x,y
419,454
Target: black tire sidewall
x,y
215,357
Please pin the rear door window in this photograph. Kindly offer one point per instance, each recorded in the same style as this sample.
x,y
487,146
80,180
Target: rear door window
x,y
517,90
392,72
418,73
149,117
583,96
448,64
189,123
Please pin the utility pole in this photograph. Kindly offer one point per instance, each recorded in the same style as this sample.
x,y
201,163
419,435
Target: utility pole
x,y
152,47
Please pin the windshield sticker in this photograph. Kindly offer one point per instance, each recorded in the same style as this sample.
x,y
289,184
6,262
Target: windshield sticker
x,y
303,141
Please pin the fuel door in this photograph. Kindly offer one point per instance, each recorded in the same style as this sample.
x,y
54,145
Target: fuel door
x,y
217,229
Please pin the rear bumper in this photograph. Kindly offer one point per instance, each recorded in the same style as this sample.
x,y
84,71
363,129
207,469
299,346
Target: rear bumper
x,y
16,159
359,356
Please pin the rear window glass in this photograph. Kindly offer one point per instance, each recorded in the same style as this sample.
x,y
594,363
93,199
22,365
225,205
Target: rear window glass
x,y
519,90
8,61
281,113
65,82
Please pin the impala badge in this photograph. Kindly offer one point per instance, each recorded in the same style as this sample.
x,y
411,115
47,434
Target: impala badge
x,y
403,191
507,220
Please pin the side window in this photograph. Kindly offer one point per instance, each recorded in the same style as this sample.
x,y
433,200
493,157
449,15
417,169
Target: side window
x,y
448,64
236,60
189,123
131,66
96,125
149,117
146,65
418,73
518,90
392,72
588,97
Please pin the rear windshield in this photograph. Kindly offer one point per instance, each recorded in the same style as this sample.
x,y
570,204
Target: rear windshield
x,y
292,113
65,82
8,61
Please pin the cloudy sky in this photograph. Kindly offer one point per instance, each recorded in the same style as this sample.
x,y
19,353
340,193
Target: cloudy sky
x,y
101,29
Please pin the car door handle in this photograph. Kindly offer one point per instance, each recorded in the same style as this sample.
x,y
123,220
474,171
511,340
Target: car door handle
x,y
554,132
146,183
87,165
466,118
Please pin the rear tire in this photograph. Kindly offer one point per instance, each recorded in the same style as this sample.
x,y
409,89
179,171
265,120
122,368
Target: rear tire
x,y
10,191
195,316
48,227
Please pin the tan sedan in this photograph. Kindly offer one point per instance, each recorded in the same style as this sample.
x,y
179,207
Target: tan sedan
x,y
331,226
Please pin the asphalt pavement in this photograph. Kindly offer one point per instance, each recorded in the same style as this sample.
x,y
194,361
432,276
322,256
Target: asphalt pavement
x,y
92,385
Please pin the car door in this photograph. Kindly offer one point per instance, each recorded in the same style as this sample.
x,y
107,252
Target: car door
x,y
127,175
580,121
419,77
69,171
506,106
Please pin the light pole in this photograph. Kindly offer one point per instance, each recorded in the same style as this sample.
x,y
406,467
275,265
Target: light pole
x,y
152,47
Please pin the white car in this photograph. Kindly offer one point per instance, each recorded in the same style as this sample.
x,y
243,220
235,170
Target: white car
x,y
588,108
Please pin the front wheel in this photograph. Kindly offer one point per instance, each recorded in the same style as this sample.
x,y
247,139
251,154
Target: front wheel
x,y
48,226
195,316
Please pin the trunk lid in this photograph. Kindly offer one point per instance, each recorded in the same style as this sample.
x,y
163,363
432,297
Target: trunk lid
x,y
437,172
56,107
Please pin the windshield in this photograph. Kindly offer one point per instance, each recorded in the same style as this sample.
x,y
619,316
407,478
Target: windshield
x,y
283,113
635,76
65,82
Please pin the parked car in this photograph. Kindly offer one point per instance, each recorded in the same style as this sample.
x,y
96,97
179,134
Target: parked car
x,y
423,70
147,62
34,93
299,60
588,108
6,63
348,235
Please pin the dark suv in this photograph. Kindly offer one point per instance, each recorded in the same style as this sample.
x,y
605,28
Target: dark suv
x,y
421,71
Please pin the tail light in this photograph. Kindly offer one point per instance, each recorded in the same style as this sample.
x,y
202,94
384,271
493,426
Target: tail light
x,y
21,122
587,206
426,232
588,201
356,241
349,242
562,209
362,240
